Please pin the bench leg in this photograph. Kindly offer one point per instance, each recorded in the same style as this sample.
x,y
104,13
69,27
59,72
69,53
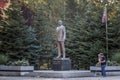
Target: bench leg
x,y
96,73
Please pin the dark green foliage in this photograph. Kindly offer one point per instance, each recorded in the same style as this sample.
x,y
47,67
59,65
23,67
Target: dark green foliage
x,y
86,35
44,32
18,40
116,57
22,62
114,32
3,59
85,31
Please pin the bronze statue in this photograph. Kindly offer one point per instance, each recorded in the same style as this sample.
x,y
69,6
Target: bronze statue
x,y
61,36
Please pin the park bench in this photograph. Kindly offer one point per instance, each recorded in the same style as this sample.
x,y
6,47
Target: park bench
x,y
108,68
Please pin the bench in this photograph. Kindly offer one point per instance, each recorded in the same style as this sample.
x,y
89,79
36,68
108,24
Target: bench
x,y
107,69
110,70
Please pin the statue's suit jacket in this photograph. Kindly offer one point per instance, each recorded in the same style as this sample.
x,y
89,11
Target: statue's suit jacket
x,y
61,33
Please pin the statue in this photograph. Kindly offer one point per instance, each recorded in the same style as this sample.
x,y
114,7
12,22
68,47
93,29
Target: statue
x,y
61,63
61,36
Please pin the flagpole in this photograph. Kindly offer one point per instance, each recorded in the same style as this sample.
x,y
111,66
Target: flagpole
x,y
106,32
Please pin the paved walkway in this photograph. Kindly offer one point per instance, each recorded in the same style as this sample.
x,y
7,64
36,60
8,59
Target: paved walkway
x,y
83,78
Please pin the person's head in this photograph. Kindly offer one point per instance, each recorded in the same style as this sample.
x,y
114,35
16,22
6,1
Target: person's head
x,y
101,54
60,22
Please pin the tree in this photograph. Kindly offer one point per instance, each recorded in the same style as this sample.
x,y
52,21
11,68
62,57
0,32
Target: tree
x,y
18,40
113,29
86,37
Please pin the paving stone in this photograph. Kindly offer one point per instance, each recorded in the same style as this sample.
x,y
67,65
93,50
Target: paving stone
x,y
81,78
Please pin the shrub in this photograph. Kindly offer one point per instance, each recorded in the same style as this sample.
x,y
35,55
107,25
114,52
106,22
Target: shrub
x,y
19,63
3,59
116,57
112,63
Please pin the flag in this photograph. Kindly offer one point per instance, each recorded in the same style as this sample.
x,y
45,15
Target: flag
x,y
104,17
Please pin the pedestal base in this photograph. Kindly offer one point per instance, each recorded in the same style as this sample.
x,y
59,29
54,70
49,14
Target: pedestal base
x,y
61,64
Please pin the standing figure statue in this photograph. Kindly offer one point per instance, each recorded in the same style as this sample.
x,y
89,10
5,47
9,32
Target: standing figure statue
x,y
61,36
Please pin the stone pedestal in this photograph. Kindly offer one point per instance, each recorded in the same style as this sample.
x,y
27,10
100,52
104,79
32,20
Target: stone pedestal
x,y
61,64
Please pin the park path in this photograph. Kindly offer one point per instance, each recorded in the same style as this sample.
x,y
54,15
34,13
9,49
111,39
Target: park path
x,y
82,78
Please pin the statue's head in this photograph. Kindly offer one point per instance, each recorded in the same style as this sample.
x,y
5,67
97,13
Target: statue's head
x,y
60,22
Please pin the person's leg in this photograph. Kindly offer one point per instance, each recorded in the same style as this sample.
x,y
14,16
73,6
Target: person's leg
x,y
63,49
103,70
59,51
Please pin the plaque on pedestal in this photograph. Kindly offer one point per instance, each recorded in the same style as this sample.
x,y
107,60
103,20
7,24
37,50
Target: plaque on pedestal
x,y
61,64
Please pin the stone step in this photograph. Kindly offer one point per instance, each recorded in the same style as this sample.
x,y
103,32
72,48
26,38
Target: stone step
x,y
68,74
61,74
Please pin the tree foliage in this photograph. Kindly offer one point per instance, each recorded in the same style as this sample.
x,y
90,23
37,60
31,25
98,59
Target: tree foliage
x,y
18,40
86,35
